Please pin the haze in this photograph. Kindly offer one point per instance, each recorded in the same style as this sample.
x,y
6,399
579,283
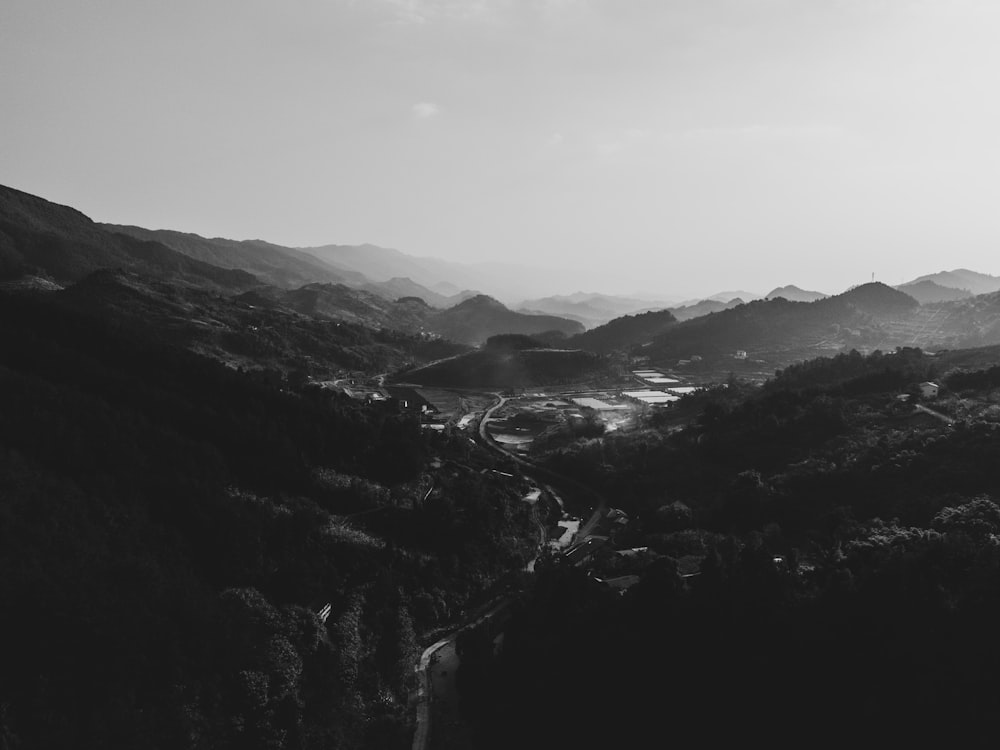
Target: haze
x,y
668,148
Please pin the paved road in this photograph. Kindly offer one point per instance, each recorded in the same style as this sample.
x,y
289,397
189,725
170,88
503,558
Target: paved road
x,y
436,676
597,504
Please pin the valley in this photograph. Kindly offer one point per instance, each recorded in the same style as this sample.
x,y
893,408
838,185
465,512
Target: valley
x,y
408,507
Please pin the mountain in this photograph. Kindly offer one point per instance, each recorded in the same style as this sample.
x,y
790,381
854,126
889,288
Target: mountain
x,y
741,294
339,302
704,307
963,278
281,266
779,330
477,318
928,292
590,308
624,332
469,322
256,330
273,264
172,526
794,294
398,287
39,236
876,298
506,281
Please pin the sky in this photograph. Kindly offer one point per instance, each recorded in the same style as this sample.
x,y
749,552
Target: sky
x,y
625,146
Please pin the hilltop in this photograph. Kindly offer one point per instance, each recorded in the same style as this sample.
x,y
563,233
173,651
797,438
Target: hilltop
x,y
705,307
250,330
962,278
40,237
272,264
929,292
476,319
781,329
794,294
590,308
624,332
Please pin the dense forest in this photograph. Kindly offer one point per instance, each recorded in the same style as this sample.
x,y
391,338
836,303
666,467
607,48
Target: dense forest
x,y
170,526
815,558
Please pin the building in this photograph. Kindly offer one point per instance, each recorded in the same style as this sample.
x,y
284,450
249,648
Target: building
x,y
929,389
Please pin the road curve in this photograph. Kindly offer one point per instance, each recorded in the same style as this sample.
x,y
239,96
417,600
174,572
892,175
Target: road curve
x,y
424,693
599,504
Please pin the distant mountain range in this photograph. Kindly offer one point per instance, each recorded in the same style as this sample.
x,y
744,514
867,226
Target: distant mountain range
x,y
470,322
47,246
963,278
591,308
793,294
478,318
42,238
624,332
508,281
272,264
781,325
929,292
704,307
57,245
285,266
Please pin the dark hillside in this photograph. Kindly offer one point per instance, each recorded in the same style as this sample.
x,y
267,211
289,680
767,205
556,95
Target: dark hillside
x,y
39,236
794,294
876,298
477,318
272,264
779,329
169,527
624,332
254,330
928,292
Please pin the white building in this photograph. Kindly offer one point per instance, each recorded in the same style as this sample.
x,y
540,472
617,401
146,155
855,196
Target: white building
x,y
929,389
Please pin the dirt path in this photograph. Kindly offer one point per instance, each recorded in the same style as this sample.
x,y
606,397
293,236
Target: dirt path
x,y
943,417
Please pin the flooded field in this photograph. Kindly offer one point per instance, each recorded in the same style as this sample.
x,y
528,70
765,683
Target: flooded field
x,y
460,407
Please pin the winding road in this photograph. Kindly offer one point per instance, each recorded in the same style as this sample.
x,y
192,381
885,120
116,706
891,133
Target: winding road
x,y
429,681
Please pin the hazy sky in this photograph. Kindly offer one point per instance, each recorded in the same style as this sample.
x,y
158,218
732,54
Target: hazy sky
x,y
679,147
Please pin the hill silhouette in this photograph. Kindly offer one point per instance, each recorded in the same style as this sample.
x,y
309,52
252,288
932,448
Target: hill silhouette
x,y
478,318
624,332
929,292
590,308
794,294
37,236
704,307
963,278
273,264
779,327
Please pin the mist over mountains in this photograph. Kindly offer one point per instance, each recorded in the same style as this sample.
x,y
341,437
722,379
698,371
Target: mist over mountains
x,y
388,289
234,514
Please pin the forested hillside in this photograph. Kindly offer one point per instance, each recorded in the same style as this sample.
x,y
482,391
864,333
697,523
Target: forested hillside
x,y
40,237
624,332
815,551
170,526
